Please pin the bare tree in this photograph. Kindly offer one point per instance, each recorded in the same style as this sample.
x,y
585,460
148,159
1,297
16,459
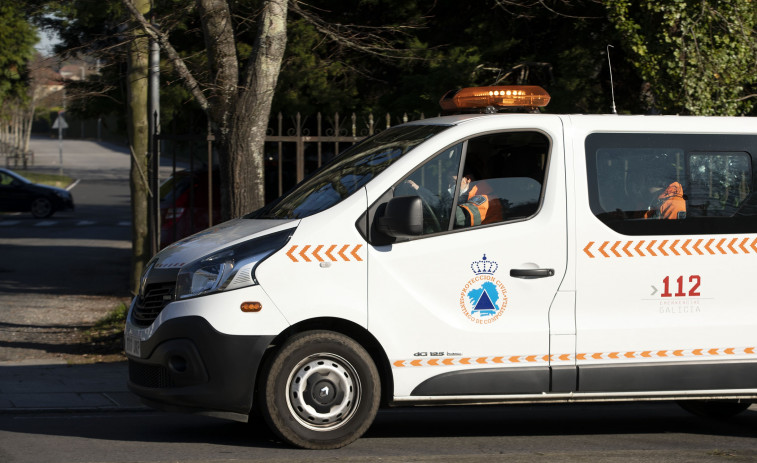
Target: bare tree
x,y
237,102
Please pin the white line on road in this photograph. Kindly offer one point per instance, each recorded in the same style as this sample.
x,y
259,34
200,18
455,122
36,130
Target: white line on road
x,y
9,223
46,223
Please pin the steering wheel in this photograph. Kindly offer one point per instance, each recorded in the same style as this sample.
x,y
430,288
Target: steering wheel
x,y
427,207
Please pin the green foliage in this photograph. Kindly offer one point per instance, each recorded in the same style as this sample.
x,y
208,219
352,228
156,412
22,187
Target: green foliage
x,y
698,55
17,40
60,181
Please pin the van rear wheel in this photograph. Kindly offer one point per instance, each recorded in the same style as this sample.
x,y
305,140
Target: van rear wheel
x,y
321,391
714,408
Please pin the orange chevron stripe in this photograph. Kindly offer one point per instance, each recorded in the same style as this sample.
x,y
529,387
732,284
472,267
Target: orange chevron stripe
x,y
661,248
685,245
753,243
673,247
613,249
625,249
315,253
696,246
470,361
341,252
650,248
304,250
730,246
586,249
291,252
354,252
707,246
743,248
719,246
329,251
602,249
638,250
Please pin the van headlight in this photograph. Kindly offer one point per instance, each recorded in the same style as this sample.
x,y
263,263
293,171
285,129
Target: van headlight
x,y
229,268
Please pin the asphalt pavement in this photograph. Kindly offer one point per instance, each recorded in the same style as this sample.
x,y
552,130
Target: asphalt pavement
x,y
42,386
50,384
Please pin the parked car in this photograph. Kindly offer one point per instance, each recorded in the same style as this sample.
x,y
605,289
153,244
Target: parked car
x,y
184,210
18,194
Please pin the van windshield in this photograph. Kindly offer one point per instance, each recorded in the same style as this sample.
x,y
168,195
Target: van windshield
x,y
347,173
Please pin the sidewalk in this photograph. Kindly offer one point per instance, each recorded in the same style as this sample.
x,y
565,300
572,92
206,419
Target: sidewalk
x,y
39,386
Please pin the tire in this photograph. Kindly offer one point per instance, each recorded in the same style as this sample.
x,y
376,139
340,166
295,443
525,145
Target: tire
x,y
42,207
321,390
714,408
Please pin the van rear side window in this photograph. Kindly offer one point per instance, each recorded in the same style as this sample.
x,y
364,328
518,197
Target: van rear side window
x,y
659,184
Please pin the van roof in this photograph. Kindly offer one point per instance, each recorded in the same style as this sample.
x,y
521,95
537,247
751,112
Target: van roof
x,y
618,123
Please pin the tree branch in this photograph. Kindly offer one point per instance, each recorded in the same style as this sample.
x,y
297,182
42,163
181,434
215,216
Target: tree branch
x,y
181,68
364,39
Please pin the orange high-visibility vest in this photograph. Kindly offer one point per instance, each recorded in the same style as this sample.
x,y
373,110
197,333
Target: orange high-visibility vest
x,y
479,208
671,203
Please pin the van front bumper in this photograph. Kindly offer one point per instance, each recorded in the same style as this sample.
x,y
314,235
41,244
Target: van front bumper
x,y
188,366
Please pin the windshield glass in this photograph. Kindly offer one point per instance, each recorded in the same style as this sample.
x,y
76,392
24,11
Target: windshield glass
x,y
347,173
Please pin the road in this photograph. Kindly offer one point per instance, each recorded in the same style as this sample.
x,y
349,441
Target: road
x,y
73,252
609,433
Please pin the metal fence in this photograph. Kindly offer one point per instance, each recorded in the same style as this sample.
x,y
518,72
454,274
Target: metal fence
x,y
295,146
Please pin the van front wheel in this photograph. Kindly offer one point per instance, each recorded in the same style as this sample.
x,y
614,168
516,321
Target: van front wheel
x,y
321,390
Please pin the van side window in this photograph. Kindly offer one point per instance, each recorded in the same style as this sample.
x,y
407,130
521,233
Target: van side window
x,y
720,183
501,179
672,184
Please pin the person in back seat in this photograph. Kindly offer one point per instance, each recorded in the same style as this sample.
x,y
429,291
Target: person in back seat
x,y
670,204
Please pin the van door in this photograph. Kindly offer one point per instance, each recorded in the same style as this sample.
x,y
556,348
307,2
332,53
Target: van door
x,y
664,271
463,308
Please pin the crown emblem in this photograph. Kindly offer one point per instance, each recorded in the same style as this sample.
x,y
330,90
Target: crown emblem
x,y
483,266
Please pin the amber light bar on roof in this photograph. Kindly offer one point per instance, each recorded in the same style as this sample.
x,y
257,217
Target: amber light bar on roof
x,y
501,96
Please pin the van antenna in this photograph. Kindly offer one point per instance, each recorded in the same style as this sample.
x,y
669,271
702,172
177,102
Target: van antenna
x,y
612,86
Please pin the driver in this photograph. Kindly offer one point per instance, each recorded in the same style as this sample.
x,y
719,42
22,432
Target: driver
x,y
474,206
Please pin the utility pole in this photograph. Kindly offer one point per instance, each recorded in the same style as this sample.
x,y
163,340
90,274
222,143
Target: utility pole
x,y
153,106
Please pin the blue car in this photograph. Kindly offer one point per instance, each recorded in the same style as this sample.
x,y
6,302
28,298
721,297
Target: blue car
x,y
18,194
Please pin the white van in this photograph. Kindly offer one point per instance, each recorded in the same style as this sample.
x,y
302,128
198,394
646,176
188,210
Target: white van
x,y
479,258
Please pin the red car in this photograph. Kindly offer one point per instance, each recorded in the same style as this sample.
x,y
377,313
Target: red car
x,y
184,204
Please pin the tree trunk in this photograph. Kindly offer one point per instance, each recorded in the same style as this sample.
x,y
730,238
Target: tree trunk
x,y
139,142
242,167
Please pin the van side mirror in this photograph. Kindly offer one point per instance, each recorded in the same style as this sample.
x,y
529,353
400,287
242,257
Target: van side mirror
x,y
403,217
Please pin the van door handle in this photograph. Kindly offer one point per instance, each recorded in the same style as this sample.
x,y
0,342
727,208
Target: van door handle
x,y
532,272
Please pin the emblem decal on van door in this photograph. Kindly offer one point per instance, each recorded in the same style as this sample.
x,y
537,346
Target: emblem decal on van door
x,y
484,297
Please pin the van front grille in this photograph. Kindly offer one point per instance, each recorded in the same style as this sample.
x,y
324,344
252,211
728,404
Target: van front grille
x,y
148,307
